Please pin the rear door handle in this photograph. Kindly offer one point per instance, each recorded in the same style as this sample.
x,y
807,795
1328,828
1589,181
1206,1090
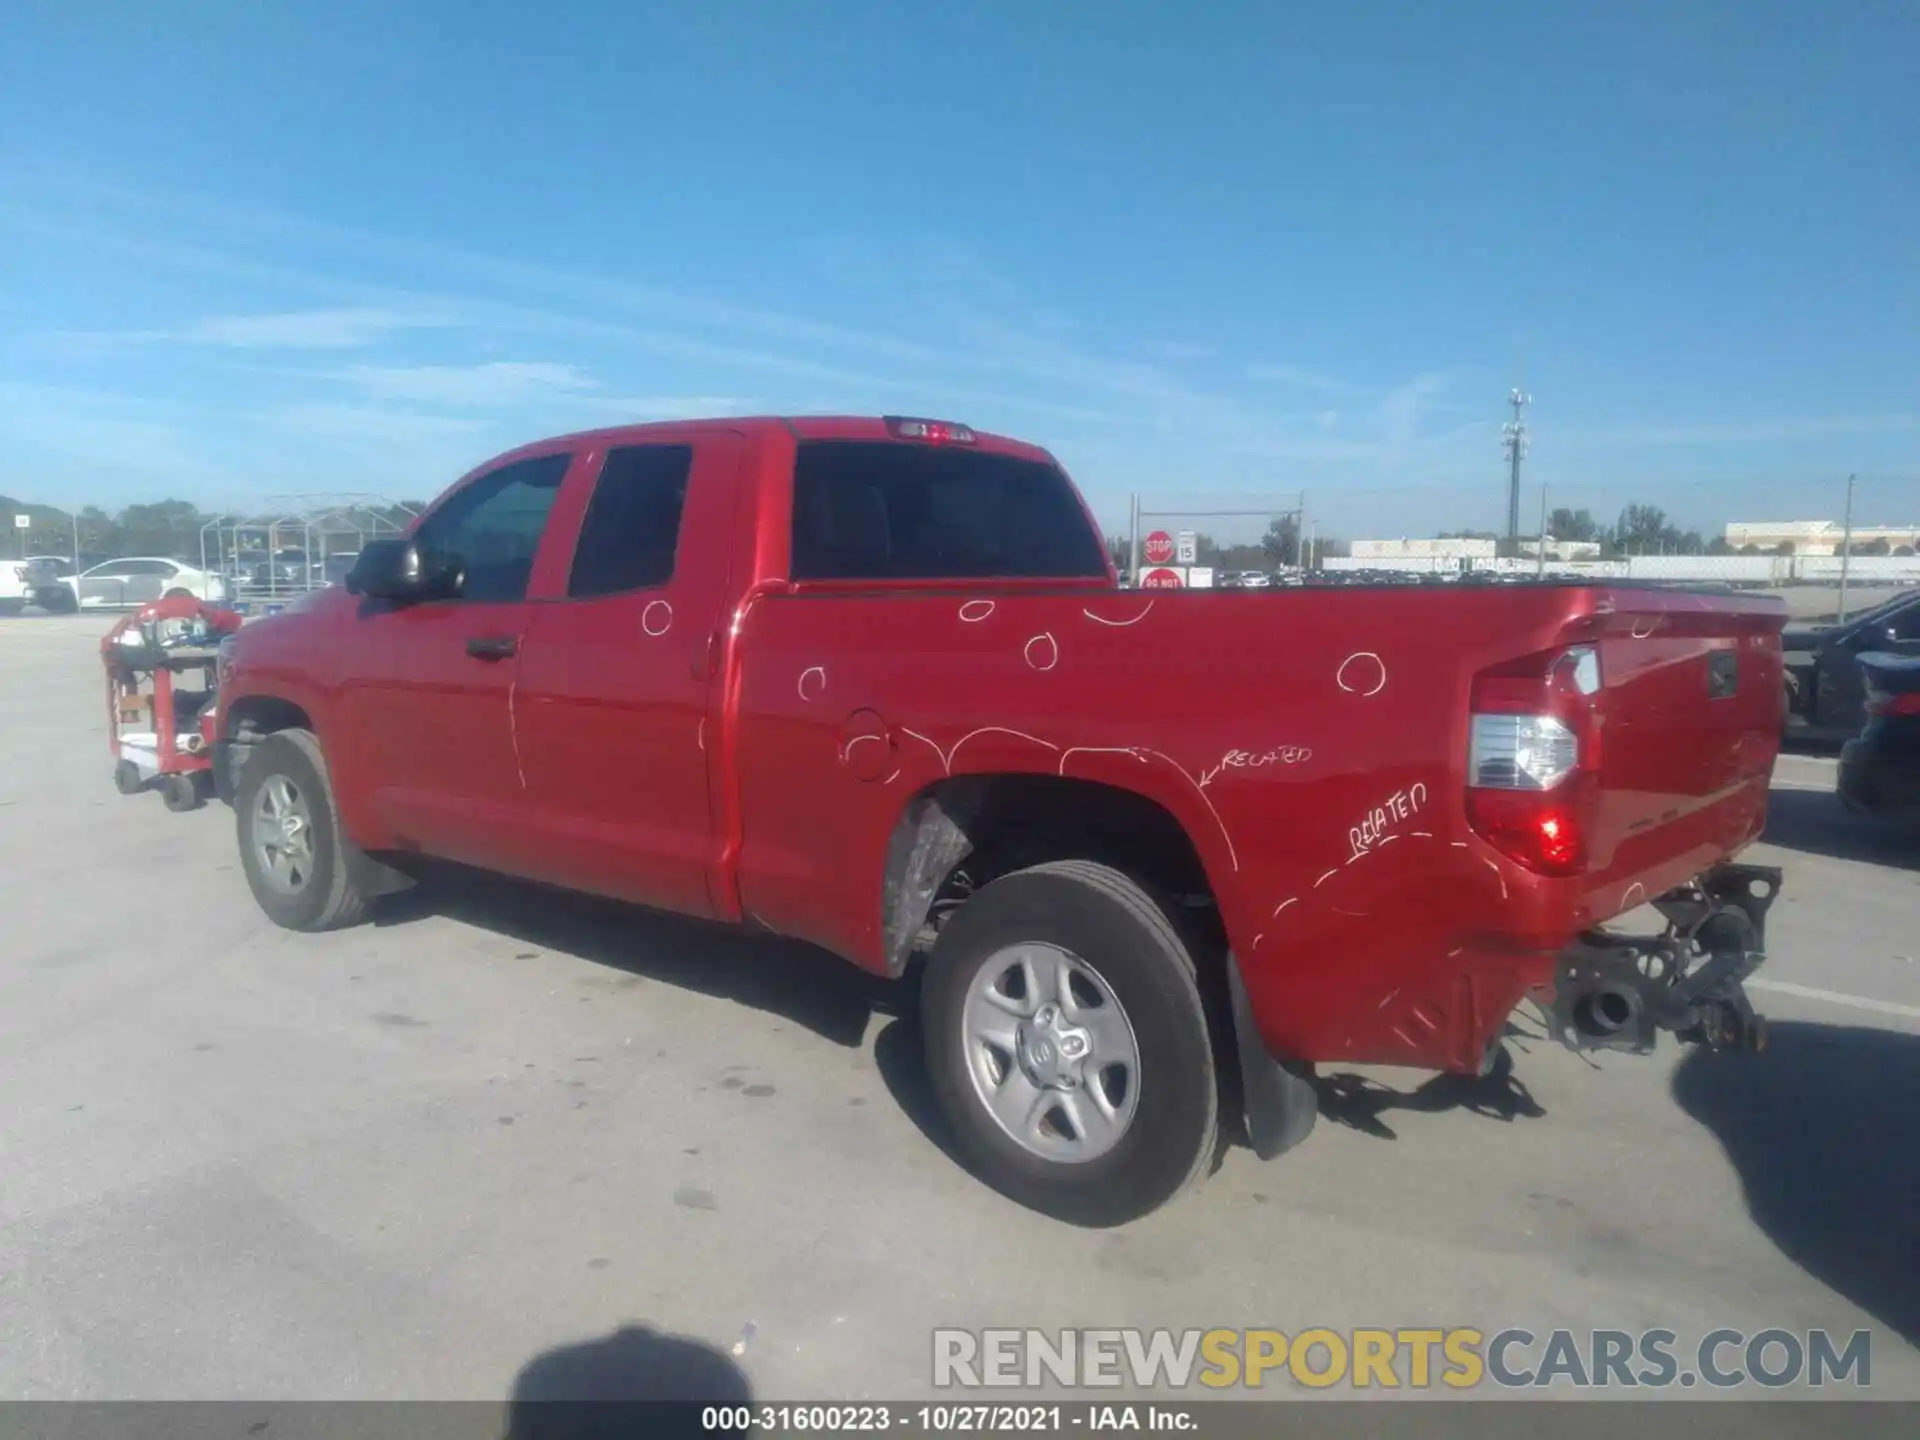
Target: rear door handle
x,y
492,647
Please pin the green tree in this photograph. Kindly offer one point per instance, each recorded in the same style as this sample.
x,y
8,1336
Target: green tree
x,y
1281,543
1574,525
165,527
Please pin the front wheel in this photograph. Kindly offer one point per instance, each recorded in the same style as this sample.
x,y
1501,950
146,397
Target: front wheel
x,y
1068,1044
291,844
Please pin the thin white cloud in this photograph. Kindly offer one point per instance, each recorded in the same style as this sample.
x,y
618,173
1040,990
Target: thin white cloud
x,y
342,329
613,409
1296,378
1749,432
118,433
1400,413
498,382
378,423
307,329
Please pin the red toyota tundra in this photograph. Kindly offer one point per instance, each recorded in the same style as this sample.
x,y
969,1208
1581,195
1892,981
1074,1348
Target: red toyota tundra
x,y
871,683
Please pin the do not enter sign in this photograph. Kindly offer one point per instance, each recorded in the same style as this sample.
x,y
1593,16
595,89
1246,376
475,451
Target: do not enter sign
x,y
1161,580
1159,548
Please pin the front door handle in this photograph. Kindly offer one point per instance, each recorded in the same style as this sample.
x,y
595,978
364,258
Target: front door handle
x,y
492,647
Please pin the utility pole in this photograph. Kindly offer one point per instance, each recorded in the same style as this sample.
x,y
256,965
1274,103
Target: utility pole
x,y
1514,437
1846,551
1541,573
1133,541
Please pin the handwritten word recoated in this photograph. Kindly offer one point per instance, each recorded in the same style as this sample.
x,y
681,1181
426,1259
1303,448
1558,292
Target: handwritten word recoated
x,y
1380,823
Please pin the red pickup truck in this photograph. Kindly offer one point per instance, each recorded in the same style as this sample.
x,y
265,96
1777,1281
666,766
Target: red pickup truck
x,y
871,683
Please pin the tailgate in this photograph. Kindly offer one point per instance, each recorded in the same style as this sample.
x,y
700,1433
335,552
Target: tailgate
x,y
1691,710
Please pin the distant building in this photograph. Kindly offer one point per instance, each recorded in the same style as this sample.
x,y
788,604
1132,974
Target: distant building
x,y
1817,537
1564,549
1422,550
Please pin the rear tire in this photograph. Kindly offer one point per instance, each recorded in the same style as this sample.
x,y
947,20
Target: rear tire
x,y
1122,942
181,793
126,778
299,863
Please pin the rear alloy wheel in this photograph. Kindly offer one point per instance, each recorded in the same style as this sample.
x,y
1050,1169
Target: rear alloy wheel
x,y
291,845
1068,1045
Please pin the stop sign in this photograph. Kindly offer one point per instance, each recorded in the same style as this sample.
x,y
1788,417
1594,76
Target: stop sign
x,y
1159,548
1160,580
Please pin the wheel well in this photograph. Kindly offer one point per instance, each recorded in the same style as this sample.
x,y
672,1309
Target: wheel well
x,y
256,716
960,834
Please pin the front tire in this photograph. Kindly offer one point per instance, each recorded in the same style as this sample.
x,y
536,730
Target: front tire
x,y
296,857
1068,1044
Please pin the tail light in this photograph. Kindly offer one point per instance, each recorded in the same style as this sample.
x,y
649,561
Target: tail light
x,y
1881,703
1533,759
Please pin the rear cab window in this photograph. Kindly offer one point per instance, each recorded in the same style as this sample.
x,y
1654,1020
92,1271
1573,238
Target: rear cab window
x,y
631,532
892,510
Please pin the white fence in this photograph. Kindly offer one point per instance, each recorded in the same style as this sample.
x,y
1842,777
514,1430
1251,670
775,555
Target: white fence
x,y
1765,570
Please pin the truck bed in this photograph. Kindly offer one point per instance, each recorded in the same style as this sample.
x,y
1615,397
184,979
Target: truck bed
x,y
1312,744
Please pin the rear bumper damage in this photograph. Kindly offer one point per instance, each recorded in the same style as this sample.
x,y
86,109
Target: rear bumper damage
x,y
1618,992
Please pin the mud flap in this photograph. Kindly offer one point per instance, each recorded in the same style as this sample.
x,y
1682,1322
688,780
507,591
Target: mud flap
x,y
1281,1104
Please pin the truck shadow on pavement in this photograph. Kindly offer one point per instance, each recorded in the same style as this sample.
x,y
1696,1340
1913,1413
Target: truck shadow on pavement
x,y
826,995
1814,822
787,978
1822,1130
635,1381
1358,1102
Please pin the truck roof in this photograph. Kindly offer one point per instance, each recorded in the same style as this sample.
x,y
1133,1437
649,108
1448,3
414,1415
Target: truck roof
x,y
801,427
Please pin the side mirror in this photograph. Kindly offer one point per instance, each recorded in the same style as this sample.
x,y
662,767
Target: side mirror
x,y
398,570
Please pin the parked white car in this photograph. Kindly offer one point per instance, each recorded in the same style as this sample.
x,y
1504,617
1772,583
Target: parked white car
x,y
135,579
13,586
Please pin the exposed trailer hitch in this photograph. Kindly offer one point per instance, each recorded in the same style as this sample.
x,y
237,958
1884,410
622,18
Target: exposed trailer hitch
x,y
1617,992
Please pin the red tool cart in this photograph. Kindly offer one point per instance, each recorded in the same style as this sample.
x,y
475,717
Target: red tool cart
x,y
156,728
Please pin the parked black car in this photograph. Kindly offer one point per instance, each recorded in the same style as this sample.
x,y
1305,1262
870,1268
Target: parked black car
x,y
284,570
1826,692
1880,767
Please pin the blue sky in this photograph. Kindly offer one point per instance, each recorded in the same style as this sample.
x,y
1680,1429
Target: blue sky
x,y
251,249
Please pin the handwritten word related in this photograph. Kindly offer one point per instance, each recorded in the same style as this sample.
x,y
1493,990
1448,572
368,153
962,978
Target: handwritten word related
x,y
1381,821
1257,760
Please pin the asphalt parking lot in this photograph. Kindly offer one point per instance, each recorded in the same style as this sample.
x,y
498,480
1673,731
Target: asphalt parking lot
x,y
500,1139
